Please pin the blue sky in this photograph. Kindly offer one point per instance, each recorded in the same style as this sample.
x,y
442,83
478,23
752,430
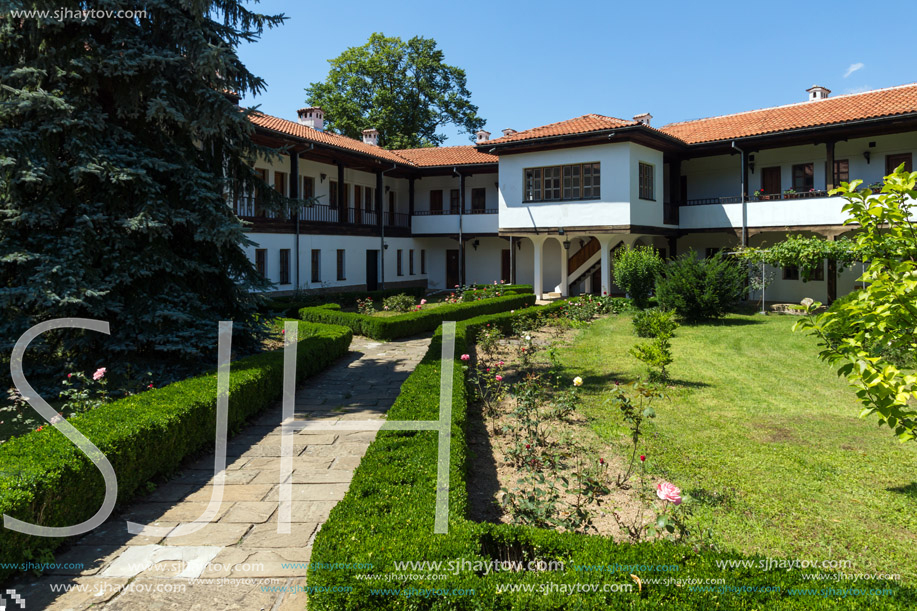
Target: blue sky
x,y
534,63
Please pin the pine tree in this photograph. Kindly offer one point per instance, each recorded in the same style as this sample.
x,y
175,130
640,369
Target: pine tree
x,y
120,139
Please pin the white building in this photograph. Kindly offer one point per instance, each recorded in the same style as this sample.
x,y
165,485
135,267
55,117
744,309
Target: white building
x,y
549,205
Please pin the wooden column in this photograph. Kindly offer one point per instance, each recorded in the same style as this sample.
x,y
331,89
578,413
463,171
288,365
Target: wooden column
x,y
342,195
379,194
410,202
831,278
829,169
294,194
671,210
461,211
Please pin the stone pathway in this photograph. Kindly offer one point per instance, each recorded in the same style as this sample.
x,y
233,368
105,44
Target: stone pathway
x,y
239,561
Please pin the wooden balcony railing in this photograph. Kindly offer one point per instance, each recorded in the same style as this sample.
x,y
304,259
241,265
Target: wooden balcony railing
x,y
582,255
321,213
737,199
454,212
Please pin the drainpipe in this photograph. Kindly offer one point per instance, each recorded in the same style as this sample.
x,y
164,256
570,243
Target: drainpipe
x,y
298,208
381,199
742,195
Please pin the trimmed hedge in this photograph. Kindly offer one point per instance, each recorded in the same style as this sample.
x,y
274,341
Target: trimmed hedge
x,y
387,517
413,323
143,436
289,306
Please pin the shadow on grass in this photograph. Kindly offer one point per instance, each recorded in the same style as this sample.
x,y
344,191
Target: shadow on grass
x,y
725,322
687,384
909,490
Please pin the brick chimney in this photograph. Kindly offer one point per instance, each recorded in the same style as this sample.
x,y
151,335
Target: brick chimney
x,y
481,136
371,136
313,117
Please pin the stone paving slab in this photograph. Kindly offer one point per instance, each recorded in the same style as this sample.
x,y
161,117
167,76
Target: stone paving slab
x,y
239,560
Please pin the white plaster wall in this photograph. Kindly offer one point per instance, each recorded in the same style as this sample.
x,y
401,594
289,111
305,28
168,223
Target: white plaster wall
x,y
524,255
646,212
613,208
483,264
449,223
551,265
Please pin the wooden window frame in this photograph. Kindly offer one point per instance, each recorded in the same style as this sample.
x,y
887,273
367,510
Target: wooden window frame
x,y
893,161
478,200
811,176
646,181
333,194
542,184
261,261
455,196
423,261
284,257
399,269
841,175
791,272
436,196
341,264
316,261
411,262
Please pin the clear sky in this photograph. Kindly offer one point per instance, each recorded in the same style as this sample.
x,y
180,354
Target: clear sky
x,y
537,62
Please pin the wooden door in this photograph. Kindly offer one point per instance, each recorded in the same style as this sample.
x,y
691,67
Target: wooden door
x,y
357,202
372,269
452,268
478,201
770,181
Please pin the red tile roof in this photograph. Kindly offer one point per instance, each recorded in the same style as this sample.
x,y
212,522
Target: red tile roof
x,y
298,130
831,111
446,155
423,157
579,125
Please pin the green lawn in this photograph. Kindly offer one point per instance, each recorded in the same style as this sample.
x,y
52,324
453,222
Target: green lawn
x,y
768,439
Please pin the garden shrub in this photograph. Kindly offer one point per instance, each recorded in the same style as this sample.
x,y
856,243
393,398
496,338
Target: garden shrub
x,y
46,480
388,512
699,289
654,322
398,303
635,271
413,323
289,306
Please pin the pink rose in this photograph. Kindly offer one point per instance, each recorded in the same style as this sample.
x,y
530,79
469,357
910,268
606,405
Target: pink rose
x,y
99,374
500,363
499,378
423,302
668,492
465,357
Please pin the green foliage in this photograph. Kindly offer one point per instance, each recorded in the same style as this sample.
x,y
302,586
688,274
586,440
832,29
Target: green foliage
x,y
387,517
404,89
699,289
656,355
117,146
365,306
654,322
635,271
806,252
870,336
47,480
413,323
398,303
290,306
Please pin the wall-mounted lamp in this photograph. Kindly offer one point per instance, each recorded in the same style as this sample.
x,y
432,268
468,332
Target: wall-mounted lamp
x,y
476,243
566,244
518,244
496,185
385,246
388,188
323,177
866,156
751,164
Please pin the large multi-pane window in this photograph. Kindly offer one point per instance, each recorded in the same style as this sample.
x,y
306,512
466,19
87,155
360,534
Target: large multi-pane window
x,y
423,261
647,182
261,261
316,265
398,268
340,265
568,182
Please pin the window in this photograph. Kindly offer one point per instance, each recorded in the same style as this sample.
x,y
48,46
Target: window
x,y
556,183
262,174
280,182
411,262
391,207
803,177
308,188
423,261
818,274
436,201
647,182
841,171
316,265
398,266
478,200
341,274
261,261
454,201
893,161
333,195
791,272
284,266
368,198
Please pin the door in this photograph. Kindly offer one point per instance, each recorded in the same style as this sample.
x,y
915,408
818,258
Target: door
x,y
505,266
452,268
478,201
770,181
372,269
